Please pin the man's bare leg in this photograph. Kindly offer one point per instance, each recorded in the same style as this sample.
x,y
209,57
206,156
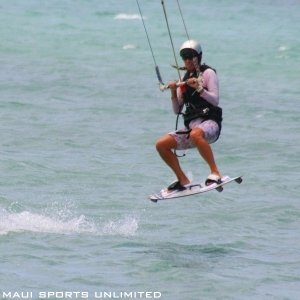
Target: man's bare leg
x,y
164,147
197,136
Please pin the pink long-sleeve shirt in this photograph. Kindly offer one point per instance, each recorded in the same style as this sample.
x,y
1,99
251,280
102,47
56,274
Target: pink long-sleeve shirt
x,y
210,93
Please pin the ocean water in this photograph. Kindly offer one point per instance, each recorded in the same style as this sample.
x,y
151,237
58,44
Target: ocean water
x,y
80,112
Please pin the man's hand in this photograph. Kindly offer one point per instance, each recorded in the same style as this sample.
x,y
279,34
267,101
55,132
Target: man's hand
x,y
196,83
172,85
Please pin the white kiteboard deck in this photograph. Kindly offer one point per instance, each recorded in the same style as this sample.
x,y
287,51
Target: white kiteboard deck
x,y
194,188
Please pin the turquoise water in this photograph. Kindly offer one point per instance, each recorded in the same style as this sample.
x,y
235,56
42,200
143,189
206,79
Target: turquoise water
x,y
80,112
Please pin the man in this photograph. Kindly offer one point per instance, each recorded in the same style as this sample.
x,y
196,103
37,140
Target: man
x,y
199,92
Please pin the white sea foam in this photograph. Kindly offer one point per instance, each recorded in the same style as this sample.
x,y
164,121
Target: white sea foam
x,y
129,46
127,17
282,48
126,227
28,221
62,223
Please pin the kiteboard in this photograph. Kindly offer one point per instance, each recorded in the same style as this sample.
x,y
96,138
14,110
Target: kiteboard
x,y
194,188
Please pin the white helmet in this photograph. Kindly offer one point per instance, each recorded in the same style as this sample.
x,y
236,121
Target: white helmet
x,y
191,47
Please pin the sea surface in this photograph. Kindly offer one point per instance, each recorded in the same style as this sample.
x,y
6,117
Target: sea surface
x,y
80,111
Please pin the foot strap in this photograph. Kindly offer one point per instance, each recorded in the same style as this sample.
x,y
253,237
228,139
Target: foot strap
x,y
212,178
176,186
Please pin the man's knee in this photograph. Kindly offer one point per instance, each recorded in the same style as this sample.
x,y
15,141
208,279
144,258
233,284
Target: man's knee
x,y
159,144
196,134
165,143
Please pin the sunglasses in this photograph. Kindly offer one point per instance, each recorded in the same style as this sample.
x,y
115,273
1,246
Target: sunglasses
x,y
188,54
185,57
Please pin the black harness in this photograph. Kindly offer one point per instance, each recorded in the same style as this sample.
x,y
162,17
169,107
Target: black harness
x,y
198,107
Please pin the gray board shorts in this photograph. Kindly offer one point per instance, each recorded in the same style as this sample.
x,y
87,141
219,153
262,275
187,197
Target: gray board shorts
x,y
211,133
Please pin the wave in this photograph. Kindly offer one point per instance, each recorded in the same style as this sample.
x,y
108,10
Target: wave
x,y
128,46
126,227
283,48
62,223
127,17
